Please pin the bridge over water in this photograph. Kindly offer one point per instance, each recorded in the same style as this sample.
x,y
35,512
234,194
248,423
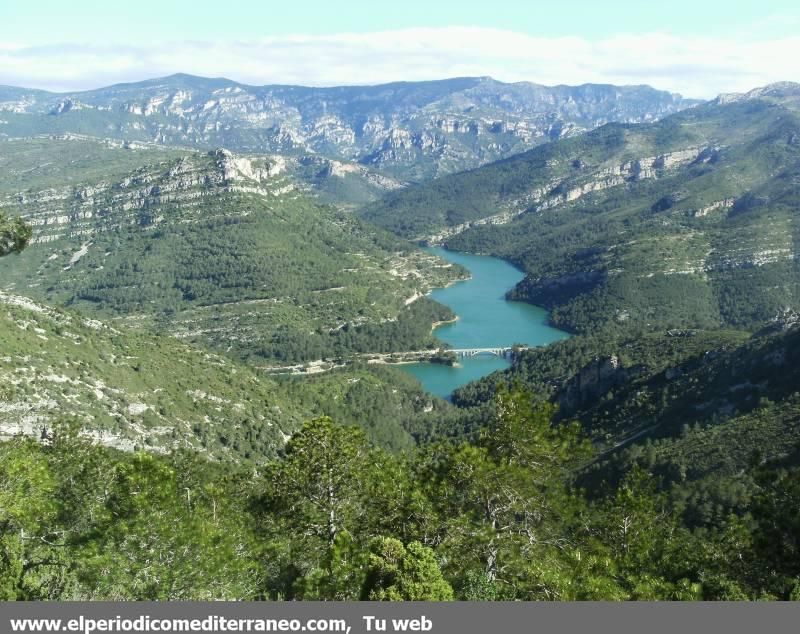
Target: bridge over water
x,y
498,352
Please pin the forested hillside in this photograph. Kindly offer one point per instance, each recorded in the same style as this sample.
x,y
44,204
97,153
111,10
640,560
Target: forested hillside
x,y
336,518
216,249
688,222
134,390
669,250
695,410
150,453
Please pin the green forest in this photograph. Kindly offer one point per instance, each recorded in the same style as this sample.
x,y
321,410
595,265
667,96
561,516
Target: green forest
x,y
336,518
257,269
612,236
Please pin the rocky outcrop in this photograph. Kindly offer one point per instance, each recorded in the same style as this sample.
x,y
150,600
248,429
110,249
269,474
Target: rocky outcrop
x,y
240,168
82,210
725,203
324,168
777,90
565,190
592,381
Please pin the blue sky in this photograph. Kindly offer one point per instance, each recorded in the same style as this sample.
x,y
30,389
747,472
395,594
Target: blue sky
x,y
697,47
49,21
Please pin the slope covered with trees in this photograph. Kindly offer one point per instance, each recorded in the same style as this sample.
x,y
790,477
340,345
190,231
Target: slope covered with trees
x,y
688,222
670,251
336,518
217,249
130,389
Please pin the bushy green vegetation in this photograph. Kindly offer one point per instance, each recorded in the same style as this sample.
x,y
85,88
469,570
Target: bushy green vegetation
x,y
390,405
336,518
696,409
700,424
14,235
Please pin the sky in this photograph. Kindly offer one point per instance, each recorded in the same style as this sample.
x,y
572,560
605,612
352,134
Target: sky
x,y
699,48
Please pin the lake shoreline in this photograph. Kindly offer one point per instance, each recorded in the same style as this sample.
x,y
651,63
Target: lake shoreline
x,y
486,321
443,322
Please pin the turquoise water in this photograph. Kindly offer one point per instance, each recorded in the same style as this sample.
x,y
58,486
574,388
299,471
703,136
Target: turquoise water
x,y
485,320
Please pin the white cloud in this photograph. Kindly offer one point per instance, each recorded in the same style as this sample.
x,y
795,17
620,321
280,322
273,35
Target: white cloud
x,y
693,66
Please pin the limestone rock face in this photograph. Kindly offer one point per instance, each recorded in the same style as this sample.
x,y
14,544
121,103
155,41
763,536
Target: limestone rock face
x,y
83,209
574,187
726,203
778,90
240,168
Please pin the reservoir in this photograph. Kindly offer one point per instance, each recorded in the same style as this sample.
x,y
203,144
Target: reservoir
x,y
485,320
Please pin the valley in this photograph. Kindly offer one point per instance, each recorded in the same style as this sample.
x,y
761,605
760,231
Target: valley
x,y
591,295
661,225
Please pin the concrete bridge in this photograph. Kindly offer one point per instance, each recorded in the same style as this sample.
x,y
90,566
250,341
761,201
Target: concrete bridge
x,y
498,352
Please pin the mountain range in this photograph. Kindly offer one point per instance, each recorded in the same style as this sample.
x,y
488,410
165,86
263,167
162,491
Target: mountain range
x,y
405,130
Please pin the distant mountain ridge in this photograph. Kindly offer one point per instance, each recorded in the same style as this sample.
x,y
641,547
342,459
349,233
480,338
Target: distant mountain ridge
x,y
410,130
